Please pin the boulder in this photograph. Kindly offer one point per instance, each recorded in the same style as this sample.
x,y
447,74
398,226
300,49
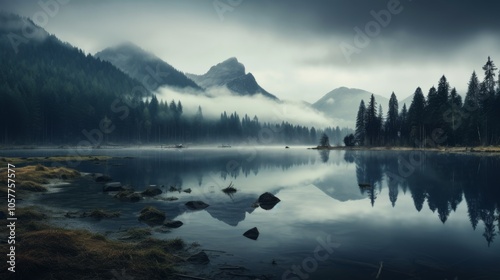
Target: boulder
x,y
267,201
196,205
113,187
173,224
152,216
252,233
199,258
100,178
152,191
134,197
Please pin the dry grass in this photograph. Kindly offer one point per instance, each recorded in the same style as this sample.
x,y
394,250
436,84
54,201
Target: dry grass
x,y
32,177
44,252
17,160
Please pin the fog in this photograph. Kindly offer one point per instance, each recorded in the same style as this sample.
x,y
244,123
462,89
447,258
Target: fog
x,y
218,100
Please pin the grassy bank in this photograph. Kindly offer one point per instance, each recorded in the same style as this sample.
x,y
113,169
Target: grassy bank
x,y
47,252
44,251
18,160
32,178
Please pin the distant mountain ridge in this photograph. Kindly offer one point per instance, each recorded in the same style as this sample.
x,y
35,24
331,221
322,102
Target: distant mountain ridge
x,y
145,67
55,90
343,103
231,73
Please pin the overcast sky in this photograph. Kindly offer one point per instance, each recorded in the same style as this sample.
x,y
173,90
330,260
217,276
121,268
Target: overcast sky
x,y
296,49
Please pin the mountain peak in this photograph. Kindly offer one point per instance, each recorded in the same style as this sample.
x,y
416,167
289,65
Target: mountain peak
x,y
229,69
231,73
145,67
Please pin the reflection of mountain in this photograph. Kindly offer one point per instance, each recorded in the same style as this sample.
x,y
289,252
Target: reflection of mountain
x,y
232,211
341,188
440,180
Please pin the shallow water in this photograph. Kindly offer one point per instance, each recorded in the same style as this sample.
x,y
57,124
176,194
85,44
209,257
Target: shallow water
x,y
427,216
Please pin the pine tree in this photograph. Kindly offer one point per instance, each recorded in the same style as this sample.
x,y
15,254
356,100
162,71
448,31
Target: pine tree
x,y
360,124
487,96
454,117
404,126
471,111
380,125
372,128
392,123
324,141
416,115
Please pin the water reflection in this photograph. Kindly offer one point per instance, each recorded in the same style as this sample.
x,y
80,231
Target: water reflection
x,y
417,203
440,180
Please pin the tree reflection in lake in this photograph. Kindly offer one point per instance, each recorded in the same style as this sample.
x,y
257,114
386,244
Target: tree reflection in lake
x,y
441,180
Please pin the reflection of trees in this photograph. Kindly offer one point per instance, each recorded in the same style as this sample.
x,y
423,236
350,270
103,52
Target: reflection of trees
x,y
325,155
442,181
368,171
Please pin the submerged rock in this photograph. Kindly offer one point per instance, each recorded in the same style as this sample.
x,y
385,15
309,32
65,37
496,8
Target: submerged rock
x,y
173,224
173,189
187,190
113,187
267,201
128,195
152,216
134,197
199,258
100,178
252,233
196,205
100,214
152,191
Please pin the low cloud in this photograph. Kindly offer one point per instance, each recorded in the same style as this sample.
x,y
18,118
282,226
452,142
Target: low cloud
x,y
219,100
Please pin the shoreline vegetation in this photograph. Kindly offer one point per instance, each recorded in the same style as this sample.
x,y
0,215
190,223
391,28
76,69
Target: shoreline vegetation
x,y
474,150
48,251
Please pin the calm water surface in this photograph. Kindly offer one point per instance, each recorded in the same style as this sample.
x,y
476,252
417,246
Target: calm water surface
x,y
427,216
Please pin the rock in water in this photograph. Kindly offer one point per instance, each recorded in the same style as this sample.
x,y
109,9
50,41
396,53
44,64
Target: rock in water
x,y
196,205
152,216
199,258
102,178
252,233
152,191
128,195
113,187
173,224
267,201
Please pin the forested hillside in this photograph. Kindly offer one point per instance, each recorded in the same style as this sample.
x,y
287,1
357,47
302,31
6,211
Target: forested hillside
x,y
442,118
53,93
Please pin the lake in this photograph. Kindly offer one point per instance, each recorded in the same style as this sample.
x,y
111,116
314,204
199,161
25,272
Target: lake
x,y
422,215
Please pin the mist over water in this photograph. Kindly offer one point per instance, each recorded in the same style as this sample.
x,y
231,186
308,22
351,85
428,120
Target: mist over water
x,y
221,99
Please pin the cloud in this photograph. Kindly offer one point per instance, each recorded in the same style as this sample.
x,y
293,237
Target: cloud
x,y
299,58
220,100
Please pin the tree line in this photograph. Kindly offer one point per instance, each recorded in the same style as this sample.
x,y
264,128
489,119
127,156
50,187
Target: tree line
x,y
54,94
441,118
163,122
